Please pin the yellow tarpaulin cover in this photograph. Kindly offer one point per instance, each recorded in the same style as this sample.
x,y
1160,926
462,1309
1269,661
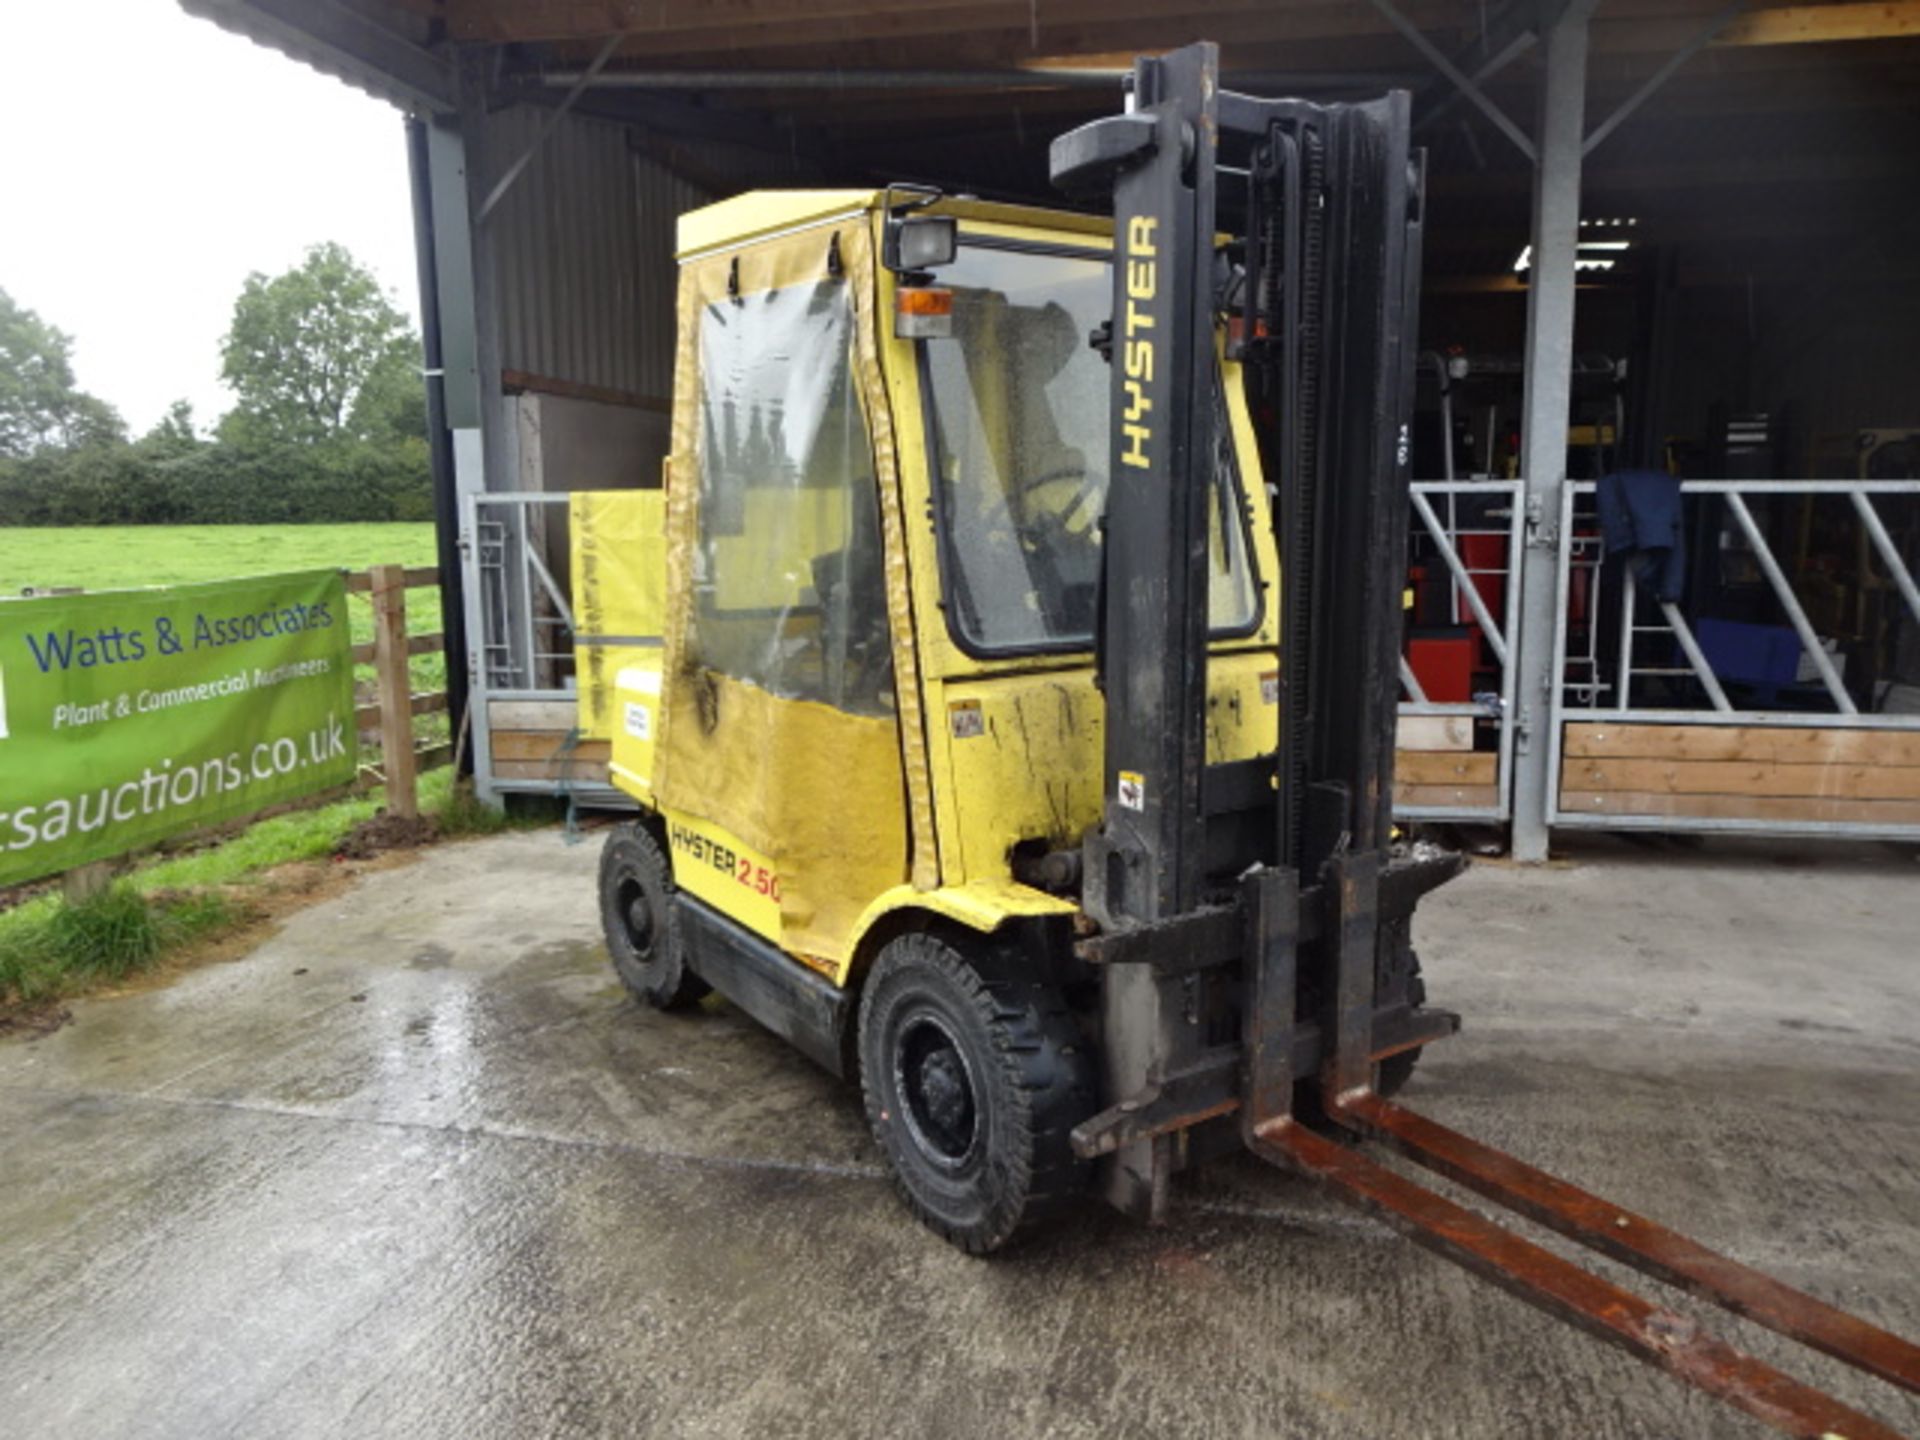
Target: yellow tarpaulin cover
x,y
619,593
780,720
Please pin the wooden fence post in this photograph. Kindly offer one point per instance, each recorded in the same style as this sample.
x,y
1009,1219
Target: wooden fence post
x,y
83,882
391,674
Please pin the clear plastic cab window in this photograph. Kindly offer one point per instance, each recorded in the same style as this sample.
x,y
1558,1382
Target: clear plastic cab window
x,y
1020,405
789,584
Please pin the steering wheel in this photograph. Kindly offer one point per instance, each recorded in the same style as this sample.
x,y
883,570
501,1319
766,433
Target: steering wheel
x,y
1088,489
1049,524
1044,537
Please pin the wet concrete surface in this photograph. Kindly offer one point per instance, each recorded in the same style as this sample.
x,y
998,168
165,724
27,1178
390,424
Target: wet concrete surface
x,y
417,1167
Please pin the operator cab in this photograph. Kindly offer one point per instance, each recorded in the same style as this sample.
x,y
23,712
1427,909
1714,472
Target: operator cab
x,y
876,691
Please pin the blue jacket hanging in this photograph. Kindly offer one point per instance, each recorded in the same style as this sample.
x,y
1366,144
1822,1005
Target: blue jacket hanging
x,y
1640,518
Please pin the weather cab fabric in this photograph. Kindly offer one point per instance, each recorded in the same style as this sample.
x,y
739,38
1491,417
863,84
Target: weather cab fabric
x,y
780,723
789,585
619,596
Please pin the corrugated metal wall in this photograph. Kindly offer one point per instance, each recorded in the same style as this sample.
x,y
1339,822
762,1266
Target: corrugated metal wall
x,y
583,253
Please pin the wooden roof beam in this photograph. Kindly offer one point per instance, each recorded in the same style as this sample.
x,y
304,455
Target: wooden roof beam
x,y
1820,24
1018,31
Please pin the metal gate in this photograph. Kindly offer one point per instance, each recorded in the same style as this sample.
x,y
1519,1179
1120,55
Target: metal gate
x,y
1472,784
1714,725
514,547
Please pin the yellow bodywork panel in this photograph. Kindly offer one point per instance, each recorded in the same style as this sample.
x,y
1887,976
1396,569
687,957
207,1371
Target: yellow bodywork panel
x,y
619,565
719,868
733,224
636,721
1026,754
812,793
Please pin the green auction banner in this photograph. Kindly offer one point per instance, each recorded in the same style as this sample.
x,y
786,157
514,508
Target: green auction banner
x,y
130,715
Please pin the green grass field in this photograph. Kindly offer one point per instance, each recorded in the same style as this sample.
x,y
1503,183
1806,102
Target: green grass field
x,y
48,949
111,557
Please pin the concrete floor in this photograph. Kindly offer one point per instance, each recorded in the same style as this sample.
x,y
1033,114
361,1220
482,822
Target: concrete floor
x,y
416,1168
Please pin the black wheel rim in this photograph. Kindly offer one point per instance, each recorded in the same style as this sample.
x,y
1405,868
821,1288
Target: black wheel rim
x,y
634,915
937,1096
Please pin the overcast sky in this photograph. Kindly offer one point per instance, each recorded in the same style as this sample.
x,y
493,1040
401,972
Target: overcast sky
x,y
155,160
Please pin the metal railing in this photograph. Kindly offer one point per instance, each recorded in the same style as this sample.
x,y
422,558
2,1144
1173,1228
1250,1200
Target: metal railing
x,y
520,624
1441,519
1639,685
526,624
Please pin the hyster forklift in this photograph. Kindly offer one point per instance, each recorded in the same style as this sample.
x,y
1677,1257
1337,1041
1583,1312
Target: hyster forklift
x,y
1020,732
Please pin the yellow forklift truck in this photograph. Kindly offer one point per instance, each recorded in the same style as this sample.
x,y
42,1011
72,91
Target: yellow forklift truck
x,y
1020,731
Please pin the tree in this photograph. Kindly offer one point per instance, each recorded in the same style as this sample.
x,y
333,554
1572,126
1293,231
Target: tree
x,y
90,422
39,403
174,431
392,405
313,351
331,424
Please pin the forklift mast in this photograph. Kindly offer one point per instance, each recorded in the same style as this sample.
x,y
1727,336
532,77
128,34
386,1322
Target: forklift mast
x,y
1318,286
1271,894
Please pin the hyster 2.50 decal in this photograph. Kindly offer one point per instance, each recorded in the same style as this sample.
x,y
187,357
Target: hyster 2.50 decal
x,y
728,861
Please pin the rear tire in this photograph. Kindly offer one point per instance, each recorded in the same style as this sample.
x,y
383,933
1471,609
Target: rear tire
x,y
643,933
974,1076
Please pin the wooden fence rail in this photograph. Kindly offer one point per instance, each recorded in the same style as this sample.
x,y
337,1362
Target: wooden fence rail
x,y
389,715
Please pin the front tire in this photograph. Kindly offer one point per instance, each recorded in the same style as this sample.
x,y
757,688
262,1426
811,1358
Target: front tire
x,y
974,1076
643,933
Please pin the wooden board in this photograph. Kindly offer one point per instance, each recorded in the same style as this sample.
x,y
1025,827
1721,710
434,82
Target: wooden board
x,y
533,714
1787,809
1776,744
424,703
1743,777
1435,732
1813,24
580,772
416,645
516,381
1423,767
1446,797
546,745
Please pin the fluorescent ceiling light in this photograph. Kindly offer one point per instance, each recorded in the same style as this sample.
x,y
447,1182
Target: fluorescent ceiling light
x,y
1591,253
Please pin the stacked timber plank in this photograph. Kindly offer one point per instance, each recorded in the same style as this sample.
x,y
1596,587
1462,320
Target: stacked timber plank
x,y
1758,772
1436,767
540,740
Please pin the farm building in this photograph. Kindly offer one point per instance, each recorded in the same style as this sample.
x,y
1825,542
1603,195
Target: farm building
x,y
1673,237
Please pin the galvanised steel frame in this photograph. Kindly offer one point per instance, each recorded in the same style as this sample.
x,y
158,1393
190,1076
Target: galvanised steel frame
x,y
1720,712
1501,633
519,629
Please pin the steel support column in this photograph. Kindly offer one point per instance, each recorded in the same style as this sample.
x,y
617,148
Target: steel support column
x,y
433,164
1547,404
469,354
